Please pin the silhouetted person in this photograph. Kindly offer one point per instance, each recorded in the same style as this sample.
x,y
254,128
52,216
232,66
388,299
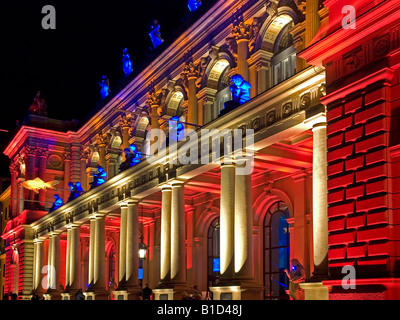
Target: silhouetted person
x,y
147,292
79,295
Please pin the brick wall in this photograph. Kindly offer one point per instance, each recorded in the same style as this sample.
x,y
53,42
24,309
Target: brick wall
x,y
364,181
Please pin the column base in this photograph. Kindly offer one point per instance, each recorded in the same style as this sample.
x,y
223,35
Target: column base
x,y
52,295
237,291
65,296
315,291
173,292
96,295
129,294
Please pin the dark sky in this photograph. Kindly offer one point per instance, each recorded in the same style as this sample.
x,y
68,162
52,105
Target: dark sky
x,y
66,64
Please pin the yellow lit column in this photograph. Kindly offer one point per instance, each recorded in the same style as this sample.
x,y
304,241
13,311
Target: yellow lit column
x,y
165,254
227,215
193,114
320,202
74,258
39,247
54,263
178,234
122,246
99,280
243,55
91,250
312,20
132,245
42,153
243,223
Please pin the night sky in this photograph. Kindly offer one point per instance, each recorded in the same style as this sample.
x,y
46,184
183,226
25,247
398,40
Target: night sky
x,y
66,64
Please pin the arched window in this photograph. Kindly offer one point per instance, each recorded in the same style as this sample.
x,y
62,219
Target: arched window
x,y
284,60
219,80
276,251
111,266
213,262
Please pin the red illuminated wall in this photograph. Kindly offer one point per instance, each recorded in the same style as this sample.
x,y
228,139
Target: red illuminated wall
x,y
363,107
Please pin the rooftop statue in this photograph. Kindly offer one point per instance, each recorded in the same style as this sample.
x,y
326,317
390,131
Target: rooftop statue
x,y
76,190
193,5
126,62
132,157
240,89
155,34
104,87
99,177
39,105
57,203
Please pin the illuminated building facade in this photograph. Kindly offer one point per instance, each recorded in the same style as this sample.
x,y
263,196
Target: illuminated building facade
x,y
324,188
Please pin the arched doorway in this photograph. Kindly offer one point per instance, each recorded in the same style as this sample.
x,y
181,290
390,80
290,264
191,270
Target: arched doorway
x,y
276,251
213,253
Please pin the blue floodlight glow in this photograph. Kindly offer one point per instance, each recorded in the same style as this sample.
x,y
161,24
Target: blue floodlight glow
x,y
216,265
140,273
193,5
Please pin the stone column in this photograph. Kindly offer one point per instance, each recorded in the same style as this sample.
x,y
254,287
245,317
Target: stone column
x,y
132,244
312,20
67,175
165,265
30,171
206,97
227,215
243,55
68,259
178,235
91,250
39,250
125,124
54,265
102,154
74,258
99,281
243,224
14,191
111,160
193,114
42,153
122,246
84,157
320,203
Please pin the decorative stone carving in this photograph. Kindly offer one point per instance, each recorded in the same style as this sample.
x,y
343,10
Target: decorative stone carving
x,y
125,121
305,101
287,109
255,30
271,117
241,31
381,47
154,98
231,45
272,7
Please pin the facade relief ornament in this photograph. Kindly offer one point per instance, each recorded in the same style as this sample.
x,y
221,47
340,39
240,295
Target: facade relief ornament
x,y
154,98
381,47
255,31
125,121
301,6
231,45
305,101
241,31
272,7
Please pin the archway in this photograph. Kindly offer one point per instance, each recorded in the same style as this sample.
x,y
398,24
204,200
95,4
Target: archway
x,y
276,251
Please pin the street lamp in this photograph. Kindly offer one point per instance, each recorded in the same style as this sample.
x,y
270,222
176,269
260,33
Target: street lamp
x,y
142,249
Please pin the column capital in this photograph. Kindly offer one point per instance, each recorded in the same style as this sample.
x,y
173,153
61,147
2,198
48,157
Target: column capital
x,y
177,182
316,120
74,225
